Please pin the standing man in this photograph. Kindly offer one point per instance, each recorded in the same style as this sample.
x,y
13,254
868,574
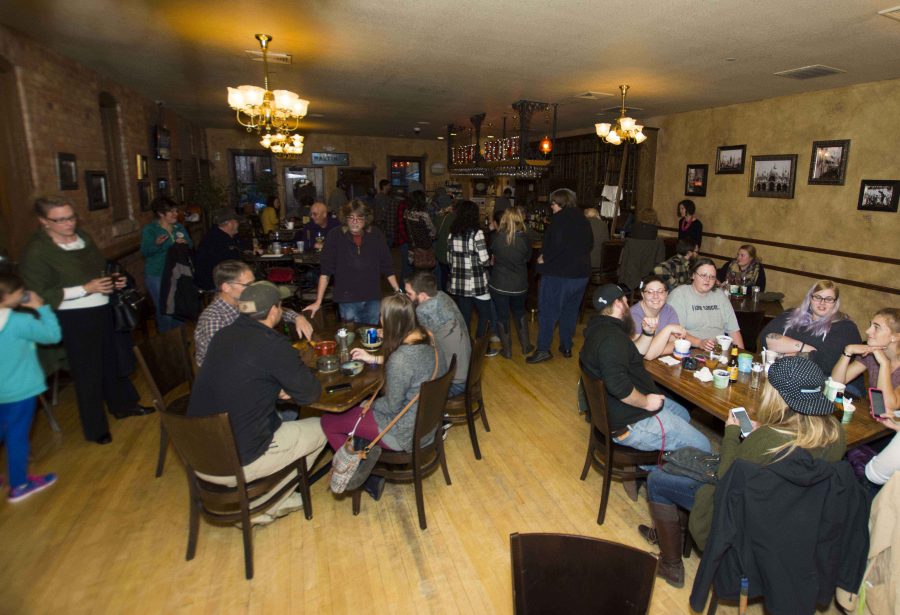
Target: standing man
x,y
250,366
565,265
439,314
382,207
502,203
231,277
638,412
357,255
677,270
338,198
219,244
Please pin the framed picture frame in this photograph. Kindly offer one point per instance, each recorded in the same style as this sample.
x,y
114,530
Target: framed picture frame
x,y
145,194
730,159
162,138
695,179
97,190
162,186
141,167
879,195
828,162
67,167
773,176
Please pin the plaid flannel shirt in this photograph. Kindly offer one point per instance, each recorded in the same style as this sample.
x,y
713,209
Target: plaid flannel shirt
x,y
468,257
674,272
218,315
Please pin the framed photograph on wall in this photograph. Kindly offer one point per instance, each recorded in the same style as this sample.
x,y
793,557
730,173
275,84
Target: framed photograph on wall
x,y
162,186
97,190
68,171
773,176
828,162
145,194
695,178
730,159
162,138
141,167
879,195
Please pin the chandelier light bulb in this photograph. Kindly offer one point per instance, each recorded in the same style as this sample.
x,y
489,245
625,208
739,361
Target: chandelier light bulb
x,y
627,123
602,129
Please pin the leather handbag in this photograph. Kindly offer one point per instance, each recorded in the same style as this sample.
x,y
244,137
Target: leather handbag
x,y
127,305
423,258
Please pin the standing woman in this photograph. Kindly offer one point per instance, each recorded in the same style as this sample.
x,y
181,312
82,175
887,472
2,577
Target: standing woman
x,y
746,267
689,227
64,266
509,279
469,259
156,239
817,327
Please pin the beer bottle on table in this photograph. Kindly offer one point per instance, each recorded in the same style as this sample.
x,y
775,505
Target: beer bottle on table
x,y
733,366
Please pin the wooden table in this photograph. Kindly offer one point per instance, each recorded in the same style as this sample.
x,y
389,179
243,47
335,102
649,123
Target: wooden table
x,y
719,402
362,385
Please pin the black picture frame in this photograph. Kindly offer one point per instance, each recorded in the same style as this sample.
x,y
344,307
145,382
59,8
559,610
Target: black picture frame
x,y
773,176
97,190
145,194
730,159
67,167
879,195
696,177
828,162
163,141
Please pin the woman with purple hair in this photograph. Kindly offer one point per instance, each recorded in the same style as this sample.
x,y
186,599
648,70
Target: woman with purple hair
x,y
817,327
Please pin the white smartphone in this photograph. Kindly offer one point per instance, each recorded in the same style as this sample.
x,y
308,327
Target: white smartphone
x,y
744,420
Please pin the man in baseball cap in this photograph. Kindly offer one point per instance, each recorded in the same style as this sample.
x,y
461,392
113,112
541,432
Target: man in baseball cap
x,y
219,244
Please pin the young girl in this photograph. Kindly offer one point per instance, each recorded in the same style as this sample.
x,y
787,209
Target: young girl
x,y
21,378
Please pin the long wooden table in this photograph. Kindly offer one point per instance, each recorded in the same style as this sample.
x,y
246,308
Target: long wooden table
x,y
719,402
362,385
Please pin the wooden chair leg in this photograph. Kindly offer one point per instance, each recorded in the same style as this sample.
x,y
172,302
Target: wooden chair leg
x,y
247,530
356,499
483,410
420,497
443,460
163,447
588,458
604,497
54,425
304,489
470,422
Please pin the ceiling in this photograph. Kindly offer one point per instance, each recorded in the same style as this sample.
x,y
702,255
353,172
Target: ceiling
x,y
382,68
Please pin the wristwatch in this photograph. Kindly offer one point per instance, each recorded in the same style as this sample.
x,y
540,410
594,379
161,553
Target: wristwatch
x,y
645,332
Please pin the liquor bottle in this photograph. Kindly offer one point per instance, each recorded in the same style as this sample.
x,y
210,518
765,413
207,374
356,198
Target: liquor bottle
x,y
733,366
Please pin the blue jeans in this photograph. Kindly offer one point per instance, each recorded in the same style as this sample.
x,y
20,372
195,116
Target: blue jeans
x,y
361,312
559,300
483,306
646,435
164,322
15,428
456,388
665,488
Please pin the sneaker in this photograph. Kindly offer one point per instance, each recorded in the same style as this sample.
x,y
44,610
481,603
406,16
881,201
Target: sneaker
x,y
492,352
446,429
34,484
292,503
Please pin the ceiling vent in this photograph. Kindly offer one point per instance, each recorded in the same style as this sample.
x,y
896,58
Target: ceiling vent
x,y
809,72
592,96
892,13
274,58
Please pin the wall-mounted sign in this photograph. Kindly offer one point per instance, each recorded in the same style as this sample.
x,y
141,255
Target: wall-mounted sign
x,y
331,159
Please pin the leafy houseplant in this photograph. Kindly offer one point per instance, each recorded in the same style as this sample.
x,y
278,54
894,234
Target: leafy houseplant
x,y
210,195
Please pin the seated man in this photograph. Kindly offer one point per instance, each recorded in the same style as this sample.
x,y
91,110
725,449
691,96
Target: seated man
x,y
439,314
320,223
677,270
248,367
638,413
219,244
231,278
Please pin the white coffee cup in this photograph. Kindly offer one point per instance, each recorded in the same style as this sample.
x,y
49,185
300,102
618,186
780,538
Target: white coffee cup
x,y
289,225
725,342
300,246
682,347
832,388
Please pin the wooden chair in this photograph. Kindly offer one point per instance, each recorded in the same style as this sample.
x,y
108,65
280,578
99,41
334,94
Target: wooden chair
x,y
166,365
424,458
614,460
578,575
464,407
751,325
206,444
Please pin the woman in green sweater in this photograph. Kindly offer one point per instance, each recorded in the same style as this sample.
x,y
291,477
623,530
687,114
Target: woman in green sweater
x,y
794,414
156,239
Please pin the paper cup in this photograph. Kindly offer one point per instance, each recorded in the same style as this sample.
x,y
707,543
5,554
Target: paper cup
x,y
832,388
682,347
849,409
720,379
725,342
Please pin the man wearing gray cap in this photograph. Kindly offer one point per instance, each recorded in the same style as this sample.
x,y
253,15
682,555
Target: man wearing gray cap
x,y
219,244
248,367
639,414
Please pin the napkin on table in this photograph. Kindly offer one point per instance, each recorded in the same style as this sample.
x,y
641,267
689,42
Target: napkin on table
x,y
670,361
703,375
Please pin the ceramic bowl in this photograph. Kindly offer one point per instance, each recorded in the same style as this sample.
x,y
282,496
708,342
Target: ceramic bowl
x,y
374,346
352,368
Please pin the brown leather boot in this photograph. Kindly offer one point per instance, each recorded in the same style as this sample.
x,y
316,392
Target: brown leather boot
x,y
670,536
522,329
505,341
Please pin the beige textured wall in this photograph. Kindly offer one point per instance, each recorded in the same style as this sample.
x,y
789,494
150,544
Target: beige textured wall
x,y
364,152
817,216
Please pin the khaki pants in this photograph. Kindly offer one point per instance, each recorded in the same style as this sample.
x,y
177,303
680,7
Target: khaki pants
x,y
294,439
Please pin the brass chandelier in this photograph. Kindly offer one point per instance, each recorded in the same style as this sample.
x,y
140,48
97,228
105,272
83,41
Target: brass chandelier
x,y
625,128
276,113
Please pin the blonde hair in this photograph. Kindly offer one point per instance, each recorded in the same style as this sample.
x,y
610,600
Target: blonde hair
x,y
511,222
591,212
806,432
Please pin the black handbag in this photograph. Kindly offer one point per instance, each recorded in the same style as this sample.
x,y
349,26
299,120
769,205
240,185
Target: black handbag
x,y
128,308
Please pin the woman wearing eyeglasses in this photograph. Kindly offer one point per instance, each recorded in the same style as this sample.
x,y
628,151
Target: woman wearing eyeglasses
x,y
703,310
65,267
817,327
656,325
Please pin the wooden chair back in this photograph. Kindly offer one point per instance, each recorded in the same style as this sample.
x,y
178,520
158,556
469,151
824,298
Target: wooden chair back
x,y
476,364
575,575
166,363
206,444
432,399
610,254
595,391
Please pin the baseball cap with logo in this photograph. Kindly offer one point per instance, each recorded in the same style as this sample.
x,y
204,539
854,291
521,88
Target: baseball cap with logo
x,y
606,294
258,298
801,384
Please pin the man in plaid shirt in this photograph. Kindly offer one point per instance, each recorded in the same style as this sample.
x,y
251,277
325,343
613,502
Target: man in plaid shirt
x,y
231,278
677,270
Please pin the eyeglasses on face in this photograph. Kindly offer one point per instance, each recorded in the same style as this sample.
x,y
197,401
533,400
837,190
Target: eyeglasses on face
x,y
706,276
71,218
356,218
821,299
654,292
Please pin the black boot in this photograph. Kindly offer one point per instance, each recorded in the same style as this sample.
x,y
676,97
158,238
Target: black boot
x,y
374,486
522,328
669,536
505,341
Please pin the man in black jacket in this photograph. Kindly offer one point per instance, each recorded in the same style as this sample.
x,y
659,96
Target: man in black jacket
x,y
219,244
247,368
564,265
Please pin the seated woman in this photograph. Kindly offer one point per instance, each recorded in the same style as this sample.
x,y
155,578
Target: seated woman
x,y
745,269
656,324
409,357
818,327
704,311
880,357
793,415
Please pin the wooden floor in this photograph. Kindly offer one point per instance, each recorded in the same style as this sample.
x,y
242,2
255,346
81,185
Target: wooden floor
x,y
111,538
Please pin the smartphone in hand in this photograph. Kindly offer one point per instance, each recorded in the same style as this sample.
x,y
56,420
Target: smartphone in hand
x,y
876,403
743,420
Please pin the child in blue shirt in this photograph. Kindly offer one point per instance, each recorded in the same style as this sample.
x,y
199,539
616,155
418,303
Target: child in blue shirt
x,y
21,378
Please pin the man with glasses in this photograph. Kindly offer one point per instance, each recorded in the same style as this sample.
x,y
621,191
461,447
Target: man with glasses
x,y
231,277
677,270
356,254
703,310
